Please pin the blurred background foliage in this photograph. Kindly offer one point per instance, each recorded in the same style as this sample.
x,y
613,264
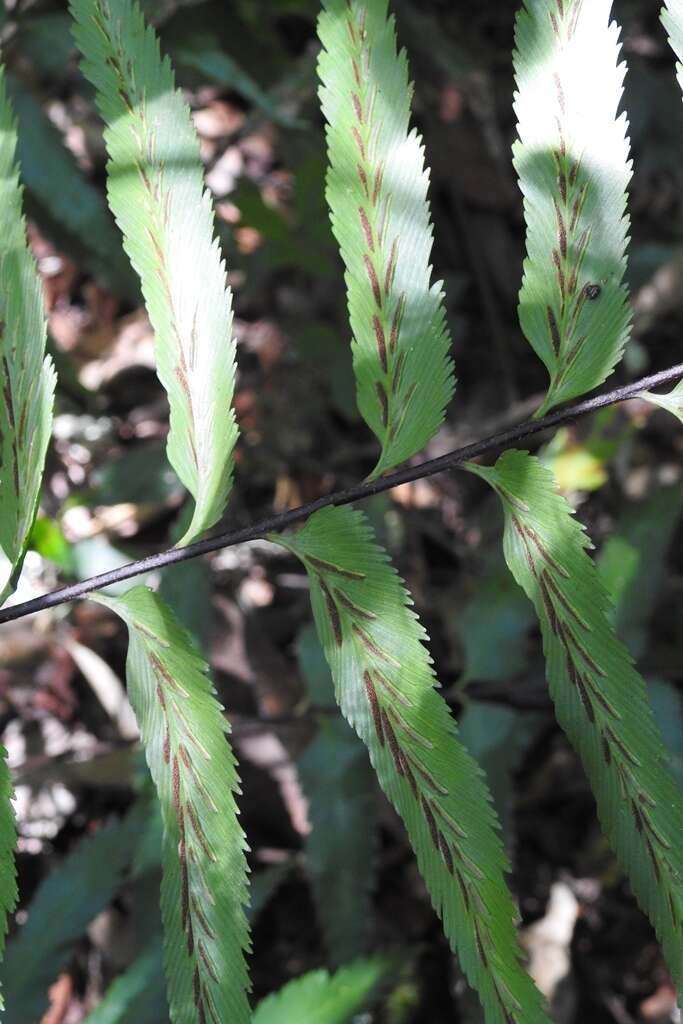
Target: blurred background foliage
x,y
333,875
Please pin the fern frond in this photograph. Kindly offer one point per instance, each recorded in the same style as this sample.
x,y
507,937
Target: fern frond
x,y
600,700
59,913
321,998
204,869
26,376
384,684
377,193
572,158
8,841
157,195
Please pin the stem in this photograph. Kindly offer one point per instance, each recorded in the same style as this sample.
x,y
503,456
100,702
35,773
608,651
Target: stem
x,y
280,521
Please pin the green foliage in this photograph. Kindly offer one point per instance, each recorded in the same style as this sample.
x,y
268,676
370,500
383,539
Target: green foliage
x,y
339,785
573,167
157,195
139,994
204,869
26,375
384,684
672,402
64,904
321,998
600,700
377,192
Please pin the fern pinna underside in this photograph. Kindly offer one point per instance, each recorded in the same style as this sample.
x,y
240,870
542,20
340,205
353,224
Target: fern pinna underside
x,y
600,699
156,191
27,377
373,642
384,684
204,886
377,193
572,160
573,167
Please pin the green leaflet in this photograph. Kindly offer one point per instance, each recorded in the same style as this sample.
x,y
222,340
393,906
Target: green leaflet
x,y
157,195
139,994
26,375
377,193
573,167
384,685
203,890
59,913
8,840
320,998
600,699
672,402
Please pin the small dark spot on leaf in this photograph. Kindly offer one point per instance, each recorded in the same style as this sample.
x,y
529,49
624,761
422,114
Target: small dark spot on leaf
x,y
592,291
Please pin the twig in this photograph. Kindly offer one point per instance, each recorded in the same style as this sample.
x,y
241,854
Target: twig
x,y
275,523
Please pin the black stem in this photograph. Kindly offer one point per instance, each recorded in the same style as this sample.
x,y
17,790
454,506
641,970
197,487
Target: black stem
x,y
366,489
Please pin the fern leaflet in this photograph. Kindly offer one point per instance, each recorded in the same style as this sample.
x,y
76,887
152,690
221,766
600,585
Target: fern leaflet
x,y
672,402
320,998
157,195
26,375
384,685
204,869
600,700
377,193
573,167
